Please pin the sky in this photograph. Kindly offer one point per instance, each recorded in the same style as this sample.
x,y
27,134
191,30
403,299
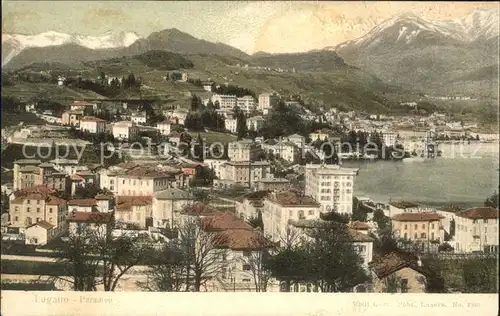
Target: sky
x,y
275,27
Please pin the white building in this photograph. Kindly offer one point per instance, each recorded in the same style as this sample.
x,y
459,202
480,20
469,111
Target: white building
x,y
246,104
476,229
255,123
226,102
139,118
167,206
165,127
240,150
231,124
280,208
331,185
216,165
267,101
389,138
125,130
92,124
297,139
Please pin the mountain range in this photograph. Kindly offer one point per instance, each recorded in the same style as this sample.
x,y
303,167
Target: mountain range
x,y
449,57
430,55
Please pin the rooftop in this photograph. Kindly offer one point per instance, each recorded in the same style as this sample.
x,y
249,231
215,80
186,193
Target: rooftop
x,y
242,239
91,119
28,162
43,224
386,265
223,221
360,225
126,202
173,194
291,199
83,202
479,213
256,195
417,217
90,217
199,209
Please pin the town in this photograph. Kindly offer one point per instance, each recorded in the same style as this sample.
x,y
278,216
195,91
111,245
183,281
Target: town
x,y
255,158
252,204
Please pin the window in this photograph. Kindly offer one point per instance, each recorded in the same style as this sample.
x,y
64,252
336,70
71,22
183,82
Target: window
x,y
37,201
246,267
416,226
28,209
485,221
28,201
311,212
37,219
38,210
16,209
50,210
432,235
423,226
246,253
245,280
416,236
432,226
486,229
422,235
406,226
404,285
16,218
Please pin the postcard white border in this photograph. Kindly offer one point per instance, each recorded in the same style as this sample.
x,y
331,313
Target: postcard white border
x,y
55,303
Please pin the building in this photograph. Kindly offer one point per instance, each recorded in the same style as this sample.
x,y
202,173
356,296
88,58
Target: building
x,y
167,206
250,205
255,123
133,179
267,101
165,127
325,134
241,150
26,174
424,228
476,229
231,124
92,124
82,205
297,139
139,118
331,185
389,138
246,104
86,107
125,130
216,165
68,166
39,233
281,207
397,272
207,85
72,117
273,184
32,205
244,173
134,211
97,224
285,150
226,102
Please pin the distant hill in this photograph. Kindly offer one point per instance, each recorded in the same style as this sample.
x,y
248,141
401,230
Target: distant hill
x,y
171,40
310,61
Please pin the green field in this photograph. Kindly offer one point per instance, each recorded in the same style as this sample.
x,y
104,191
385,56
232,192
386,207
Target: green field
x,y
33,268
213,137
27,91
11,119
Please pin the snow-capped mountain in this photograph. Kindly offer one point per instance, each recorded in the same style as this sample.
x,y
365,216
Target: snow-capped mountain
x,y
13,44
409,29
416,52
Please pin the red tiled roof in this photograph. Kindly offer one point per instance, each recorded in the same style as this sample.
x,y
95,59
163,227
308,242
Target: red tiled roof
x,y
43,224
125,203
257,195
291,198
41,189
76,177
223,221
360,225
386,265
92,119
359,237
242,239
479,213
92,217
52,200
83,202
417,217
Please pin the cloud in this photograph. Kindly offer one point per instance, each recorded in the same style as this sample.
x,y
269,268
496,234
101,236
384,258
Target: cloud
x,y
18,20
97,17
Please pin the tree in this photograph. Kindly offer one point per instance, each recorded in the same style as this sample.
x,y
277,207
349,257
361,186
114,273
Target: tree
x,y
87,192
168,269
241,126
492,201
392,284
259,272
204,255
335,264
358,213
480,275
94,257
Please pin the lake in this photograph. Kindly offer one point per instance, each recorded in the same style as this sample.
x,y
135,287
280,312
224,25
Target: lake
x,y
464,175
